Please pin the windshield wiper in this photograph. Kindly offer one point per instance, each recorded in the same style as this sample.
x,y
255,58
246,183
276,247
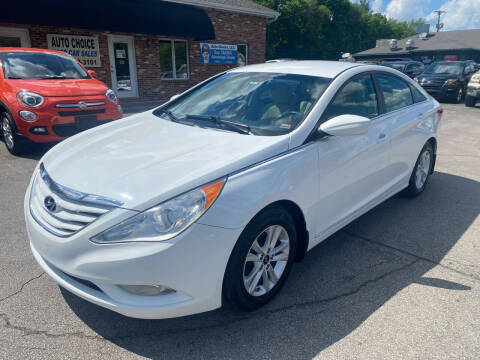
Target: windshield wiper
x,y
52,77
240,128
169,114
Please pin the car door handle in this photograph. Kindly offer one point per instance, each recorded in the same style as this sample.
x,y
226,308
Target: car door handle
x,y
382,137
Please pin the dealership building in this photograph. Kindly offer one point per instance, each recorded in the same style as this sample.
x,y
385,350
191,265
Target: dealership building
x,y
143,49
443,45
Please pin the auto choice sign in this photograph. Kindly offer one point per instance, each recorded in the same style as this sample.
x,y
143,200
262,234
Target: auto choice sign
x,y
218,53
84,48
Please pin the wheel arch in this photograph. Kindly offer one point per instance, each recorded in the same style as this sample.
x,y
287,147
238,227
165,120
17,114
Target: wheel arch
x,y
300,224
433,142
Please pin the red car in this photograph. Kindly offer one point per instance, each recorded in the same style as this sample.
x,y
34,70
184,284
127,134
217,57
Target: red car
x,y
47,96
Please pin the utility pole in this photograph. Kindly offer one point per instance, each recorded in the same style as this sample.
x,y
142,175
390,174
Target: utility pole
x,y
439,13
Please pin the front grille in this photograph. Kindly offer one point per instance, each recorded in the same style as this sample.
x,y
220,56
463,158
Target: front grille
x,y
63,211
81,112
66,130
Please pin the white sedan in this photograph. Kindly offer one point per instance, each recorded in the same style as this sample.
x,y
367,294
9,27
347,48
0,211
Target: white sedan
x,y
213,196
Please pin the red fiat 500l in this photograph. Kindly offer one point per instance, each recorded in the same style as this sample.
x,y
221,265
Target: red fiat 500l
x,y
48,96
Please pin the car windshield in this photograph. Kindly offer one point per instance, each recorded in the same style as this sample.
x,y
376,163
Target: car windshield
x,y
395,66
37,65
445,68
264,103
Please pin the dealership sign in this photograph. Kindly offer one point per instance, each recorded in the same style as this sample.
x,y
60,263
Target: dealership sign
x,y
84,48
218,53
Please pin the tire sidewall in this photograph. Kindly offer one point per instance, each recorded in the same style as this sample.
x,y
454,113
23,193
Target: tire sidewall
x,y
6,115
234,289
427,147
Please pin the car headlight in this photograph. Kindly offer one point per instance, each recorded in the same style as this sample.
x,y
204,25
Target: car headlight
x,y
415,78
475,79
110,94
30,99
165,220
451,81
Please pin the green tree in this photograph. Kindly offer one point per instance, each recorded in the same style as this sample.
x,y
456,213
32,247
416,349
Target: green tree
x,y
323,29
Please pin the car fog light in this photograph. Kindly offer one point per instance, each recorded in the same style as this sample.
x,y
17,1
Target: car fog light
x,y
148,290
28,115
39,130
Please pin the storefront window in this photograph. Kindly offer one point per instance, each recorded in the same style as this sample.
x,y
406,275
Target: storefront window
x,y
7,41
242,54
173,59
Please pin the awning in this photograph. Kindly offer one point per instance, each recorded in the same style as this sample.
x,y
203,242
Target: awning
x,y
128,16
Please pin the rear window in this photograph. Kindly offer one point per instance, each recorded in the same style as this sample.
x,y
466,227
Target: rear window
x,y
419,97
35,65
396,92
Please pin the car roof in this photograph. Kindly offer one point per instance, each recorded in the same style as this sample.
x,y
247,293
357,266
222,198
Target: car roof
x,y
326,69
20,49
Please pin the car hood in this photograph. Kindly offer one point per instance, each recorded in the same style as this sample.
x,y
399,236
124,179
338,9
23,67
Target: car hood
x,y
58,88
437,76
143,160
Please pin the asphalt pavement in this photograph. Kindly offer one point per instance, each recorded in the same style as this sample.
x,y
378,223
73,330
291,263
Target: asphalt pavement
x,y
401,282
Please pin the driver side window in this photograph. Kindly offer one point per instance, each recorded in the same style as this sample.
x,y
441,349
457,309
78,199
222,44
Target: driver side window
x,y
357,97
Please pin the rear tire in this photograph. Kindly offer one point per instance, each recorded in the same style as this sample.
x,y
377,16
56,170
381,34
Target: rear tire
x,y
253,276
421,172
14,143
470,101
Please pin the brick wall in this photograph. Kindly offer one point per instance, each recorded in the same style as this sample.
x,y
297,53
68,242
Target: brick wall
x,y
229,27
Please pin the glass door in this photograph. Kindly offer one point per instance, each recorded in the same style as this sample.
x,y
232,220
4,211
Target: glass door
x,y
122,66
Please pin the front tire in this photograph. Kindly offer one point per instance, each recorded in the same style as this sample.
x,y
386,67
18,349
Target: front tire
x,y
261,260
470,101
13,142
459,96
421,172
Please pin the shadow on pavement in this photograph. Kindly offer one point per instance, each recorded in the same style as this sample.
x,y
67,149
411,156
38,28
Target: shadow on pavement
x,y
335,289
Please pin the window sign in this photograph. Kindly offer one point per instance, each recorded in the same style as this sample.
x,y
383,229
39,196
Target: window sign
x,y
218,53
84,48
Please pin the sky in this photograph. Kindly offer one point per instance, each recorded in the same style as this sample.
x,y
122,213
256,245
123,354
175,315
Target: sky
x,y
460,14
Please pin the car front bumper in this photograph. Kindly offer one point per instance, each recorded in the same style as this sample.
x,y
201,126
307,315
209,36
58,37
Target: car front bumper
x,y
443,92
193,264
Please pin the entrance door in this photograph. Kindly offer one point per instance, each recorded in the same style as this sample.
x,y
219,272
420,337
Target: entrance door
x,y
14,37
122,66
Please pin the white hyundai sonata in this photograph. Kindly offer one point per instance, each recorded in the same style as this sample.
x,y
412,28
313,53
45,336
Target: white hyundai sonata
x,y
213,196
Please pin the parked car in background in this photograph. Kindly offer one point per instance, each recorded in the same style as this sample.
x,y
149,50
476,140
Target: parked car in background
x,y
408,67
211,197
473,90
47,96
446,80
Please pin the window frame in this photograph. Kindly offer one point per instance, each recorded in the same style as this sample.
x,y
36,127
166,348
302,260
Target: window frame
x,y
174,65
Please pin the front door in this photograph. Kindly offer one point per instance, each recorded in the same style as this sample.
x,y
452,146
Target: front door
x,y
122,66
14,37
353,170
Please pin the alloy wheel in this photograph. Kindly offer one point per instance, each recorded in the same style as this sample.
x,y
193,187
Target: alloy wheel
x,y
266,260
459,95
7,132
423,169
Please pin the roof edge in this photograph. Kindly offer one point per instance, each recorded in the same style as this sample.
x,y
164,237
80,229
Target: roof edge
x,y
272,14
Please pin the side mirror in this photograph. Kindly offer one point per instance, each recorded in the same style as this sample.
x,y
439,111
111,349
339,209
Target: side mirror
x,y
92,73
174,97
346,125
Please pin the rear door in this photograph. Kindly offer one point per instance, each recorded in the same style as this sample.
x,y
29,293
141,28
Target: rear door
x,y
404,115
353,170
